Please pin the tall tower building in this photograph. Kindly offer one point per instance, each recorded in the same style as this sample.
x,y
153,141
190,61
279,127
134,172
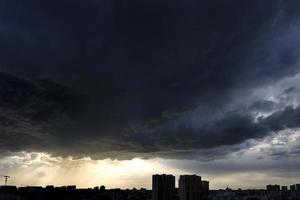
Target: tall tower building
x,y
205,189
163,187
273,191
293,191
191,187
298,191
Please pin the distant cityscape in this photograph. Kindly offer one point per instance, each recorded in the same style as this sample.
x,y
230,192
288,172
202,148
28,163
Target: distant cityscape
x,y
190,187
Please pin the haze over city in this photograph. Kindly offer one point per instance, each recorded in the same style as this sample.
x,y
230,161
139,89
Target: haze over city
x,y
110,92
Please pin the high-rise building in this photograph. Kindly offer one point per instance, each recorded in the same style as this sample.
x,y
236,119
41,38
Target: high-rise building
x,y
272,188
284,192
205,189
293,187
192,188
273,192
163,187
293,191
298,191
284,188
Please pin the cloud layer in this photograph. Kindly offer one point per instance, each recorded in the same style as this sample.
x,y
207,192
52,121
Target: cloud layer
x,y
125,79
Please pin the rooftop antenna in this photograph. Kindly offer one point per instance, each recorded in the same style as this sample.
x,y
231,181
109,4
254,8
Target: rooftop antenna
x,y
5,179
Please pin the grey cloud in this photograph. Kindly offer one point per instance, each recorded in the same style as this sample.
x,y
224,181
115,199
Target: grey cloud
x,y
265,106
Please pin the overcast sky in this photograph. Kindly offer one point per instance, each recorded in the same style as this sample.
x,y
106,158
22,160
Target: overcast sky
x,y
120,89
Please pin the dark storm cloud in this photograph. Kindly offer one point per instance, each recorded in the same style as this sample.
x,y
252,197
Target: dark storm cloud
x,y
152,78
28,108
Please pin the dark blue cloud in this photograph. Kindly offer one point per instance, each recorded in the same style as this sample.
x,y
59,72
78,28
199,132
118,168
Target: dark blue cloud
x,y
140,67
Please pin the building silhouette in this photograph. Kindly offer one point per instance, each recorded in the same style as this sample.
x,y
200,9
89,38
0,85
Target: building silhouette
x,y
191,187
205,189
298,191
273,191
163,187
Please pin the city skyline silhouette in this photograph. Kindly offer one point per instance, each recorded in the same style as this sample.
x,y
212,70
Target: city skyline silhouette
x,y
190,187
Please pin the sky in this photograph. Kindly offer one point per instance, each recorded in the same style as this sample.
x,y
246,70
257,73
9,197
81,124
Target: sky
x,y
109,92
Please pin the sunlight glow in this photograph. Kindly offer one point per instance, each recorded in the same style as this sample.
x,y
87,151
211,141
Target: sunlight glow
x,y
43,169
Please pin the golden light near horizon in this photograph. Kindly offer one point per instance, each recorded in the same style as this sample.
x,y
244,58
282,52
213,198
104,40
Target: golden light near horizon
x,y
43,169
